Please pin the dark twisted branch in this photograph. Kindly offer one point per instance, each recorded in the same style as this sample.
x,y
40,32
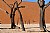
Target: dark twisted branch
x,y
20,3
46,5
21,19
4,10
6,3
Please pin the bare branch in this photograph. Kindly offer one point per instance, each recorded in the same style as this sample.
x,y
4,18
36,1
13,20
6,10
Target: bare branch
x,y
11,5
16,4
47,5
4,11
19,3
6,3
7,12
21,7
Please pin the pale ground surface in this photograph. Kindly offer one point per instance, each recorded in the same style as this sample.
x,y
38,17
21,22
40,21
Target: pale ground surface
x,y
30,28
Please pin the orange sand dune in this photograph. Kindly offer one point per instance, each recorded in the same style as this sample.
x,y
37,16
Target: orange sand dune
x,y
31,12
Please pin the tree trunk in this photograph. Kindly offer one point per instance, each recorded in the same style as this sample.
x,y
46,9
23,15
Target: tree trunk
x,y
21,20
42,18
42,14
12,19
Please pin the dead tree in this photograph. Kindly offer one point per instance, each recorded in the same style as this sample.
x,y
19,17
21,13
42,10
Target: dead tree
x,y
42,6
21,19
11,15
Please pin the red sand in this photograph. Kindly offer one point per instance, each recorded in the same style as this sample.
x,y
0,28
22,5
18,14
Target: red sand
x,y
30,12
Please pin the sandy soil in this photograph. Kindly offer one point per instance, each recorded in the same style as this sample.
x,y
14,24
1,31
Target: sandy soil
x,y
32,28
